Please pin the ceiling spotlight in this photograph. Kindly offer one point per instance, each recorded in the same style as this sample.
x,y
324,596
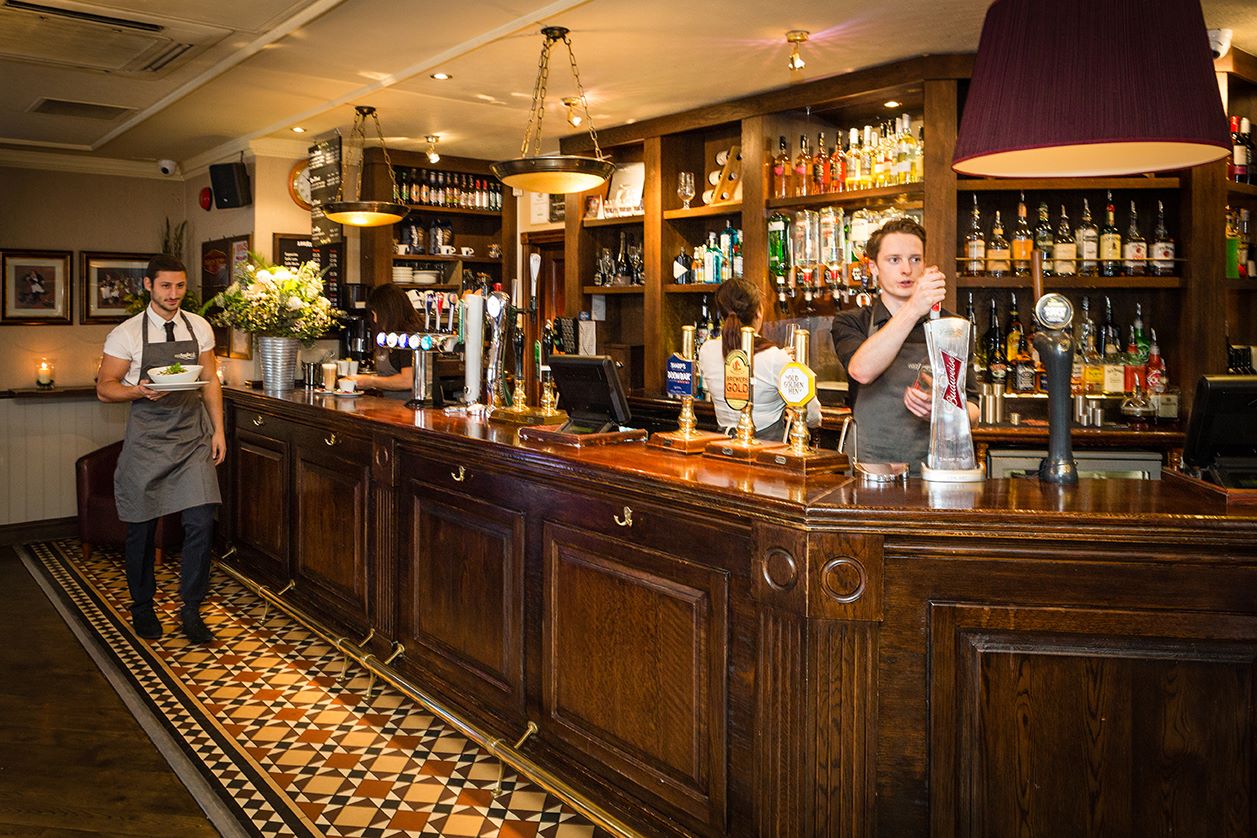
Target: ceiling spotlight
x,y
796,37
441,76
574,117
297,129
890,103
433,139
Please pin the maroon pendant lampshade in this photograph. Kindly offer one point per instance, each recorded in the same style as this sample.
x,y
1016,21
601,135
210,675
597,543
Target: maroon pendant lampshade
x,y
1088,88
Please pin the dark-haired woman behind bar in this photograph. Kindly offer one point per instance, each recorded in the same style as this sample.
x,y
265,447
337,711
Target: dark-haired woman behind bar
x,y
739,304
391,311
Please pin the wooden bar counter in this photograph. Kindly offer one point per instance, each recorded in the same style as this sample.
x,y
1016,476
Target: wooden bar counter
x,y
711,648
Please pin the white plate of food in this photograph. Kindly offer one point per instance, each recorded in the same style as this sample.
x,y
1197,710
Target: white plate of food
x,y
175,374
175,386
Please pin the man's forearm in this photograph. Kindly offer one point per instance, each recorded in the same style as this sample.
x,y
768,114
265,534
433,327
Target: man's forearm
x,y
116,391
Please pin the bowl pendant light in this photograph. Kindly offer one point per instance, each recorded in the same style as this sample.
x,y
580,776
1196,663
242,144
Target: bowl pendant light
x,y
556,174
1080,88
362,213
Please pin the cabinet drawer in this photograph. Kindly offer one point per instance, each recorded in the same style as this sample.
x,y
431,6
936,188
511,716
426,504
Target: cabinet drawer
x,y
452,475
261,424
321,442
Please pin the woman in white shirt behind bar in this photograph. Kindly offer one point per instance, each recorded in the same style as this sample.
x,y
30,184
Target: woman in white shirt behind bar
x,y
739,304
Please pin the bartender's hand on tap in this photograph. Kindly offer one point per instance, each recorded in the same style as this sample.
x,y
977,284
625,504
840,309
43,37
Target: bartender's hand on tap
x,y
920,403
930,290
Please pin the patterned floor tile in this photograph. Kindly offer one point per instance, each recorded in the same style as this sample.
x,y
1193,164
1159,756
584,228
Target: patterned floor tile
x,y
289,741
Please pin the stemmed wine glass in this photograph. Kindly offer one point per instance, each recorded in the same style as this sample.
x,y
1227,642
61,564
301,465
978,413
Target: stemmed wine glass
x,y
685,188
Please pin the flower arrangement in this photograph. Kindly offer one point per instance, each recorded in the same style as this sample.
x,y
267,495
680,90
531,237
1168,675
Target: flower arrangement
x,y
272,301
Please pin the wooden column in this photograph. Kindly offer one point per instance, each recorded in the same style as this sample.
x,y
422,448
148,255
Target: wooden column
x,y
941,120
755,155
652,253
1202,316
819,598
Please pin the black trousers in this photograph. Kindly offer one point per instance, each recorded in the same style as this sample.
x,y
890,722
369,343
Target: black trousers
x,y
194,565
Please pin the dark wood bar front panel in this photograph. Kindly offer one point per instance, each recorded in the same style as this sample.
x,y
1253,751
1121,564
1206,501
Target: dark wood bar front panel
x,y
710,649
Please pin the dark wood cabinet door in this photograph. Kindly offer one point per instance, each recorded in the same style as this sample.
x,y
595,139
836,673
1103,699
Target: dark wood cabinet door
x,y
1073,721
462,596
635,651
331,488
258,504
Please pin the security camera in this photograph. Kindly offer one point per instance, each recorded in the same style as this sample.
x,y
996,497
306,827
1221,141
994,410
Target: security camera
x,y
167,167
1219,42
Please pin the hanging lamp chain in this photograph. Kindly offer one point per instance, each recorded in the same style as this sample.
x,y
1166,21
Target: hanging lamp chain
x,y
532,131
388,163
584,103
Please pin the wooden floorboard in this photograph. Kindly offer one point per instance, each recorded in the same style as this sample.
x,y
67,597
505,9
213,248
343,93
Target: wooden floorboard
x,y
73,761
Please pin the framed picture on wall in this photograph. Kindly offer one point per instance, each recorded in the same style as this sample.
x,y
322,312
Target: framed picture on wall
x,y
36,287
219,258
106,280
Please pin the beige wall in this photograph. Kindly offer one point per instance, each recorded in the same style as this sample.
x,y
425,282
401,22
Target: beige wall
x,y
49,210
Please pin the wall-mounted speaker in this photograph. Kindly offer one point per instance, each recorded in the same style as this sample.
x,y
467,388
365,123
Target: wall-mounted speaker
x,y
231,185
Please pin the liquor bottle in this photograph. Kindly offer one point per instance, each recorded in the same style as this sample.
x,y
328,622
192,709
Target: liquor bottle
x,y
1232,264
1237,166
1023,240
713,261
1155,376
996,357
975,242
820,167
1244,253
1246,134
778,257
1023,378
1110,242
1087,239
976,354
868,154
681,268
1162,251
401,185
1014,331
1044,238
837,166
802,164
1141,336
1114,358
423,188
621,261
1135,248
918,162
1088,340
997,252
852,179
782,169
699,266
1064,251
1110,334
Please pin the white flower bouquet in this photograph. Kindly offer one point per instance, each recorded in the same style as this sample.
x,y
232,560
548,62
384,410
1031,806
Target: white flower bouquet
x,y
272,301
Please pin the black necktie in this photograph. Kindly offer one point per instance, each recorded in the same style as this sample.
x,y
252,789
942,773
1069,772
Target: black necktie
x,y
170,333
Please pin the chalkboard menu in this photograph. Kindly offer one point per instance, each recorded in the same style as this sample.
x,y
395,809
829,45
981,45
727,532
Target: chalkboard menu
x,y
324,187
292,250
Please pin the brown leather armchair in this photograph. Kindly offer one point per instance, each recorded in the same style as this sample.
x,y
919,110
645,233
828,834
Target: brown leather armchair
x,y
98,514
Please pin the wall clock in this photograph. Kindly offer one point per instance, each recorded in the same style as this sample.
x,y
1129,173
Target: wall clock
x,y
299,184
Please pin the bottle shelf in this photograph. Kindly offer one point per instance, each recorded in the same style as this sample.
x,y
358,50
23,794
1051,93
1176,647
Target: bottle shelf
x,y
1241,190
731,208
905,191
613,289
428,208
1078,184
419,257
692,288
418,286
618,221
1065,283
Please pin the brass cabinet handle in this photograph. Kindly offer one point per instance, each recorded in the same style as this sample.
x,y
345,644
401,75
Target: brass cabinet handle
x,y
459,475
330,439
258,421
627,520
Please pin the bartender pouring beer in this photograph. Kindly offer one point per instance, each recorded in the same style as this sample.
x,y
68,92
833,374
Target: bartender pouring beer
x,y
883,349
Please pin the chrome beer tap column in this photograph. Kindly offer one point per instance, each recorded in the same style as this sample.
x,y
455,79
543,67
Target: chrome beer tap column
x,y
497,306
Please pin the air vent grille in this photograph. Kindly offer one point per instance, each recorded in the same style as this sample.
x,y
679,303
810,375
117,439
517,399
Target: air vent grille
x,y
86,110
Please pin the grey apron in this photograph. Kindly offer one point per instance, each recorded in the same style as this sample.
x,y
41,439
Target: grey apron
x,y
384,367
166,463
885,431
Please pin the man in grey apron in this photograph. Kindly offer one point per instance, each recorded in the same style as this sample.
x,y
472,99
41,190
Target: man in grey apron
x,y
173,442
883,349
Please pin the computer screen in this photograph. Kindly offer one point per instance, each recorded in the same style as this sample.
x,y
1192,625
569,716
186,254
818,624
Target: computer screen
x,y
1222,431
590,392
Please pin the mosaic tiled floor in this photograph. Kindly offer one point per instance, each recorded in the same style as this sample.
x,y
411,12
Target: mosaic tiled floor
x,y
294,750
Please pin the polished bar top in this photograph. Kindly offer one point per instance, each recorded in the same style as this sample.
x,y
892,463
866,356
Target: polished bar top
x,y
1014,507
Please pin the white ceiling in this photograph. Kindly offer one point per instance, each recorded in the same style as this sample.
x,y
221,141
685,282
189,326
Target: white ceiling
x,y
255,68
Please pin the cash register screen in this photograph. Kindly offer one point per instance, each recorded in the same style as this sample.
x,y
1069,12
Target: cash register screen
x,y
1222,432
590,392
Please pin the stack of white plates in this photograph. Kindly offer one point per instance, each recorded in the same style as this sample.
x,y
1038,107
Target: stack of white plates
x,y
425,277
402,274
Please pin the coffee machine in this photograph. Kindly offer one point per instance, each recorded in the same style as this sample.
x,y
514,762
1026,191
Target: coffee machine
x,y
356,333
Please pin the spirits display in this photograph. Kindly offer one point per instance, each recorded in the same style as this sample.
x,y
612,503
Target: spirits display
x,y
1044,238
975,243
1064,250
1110,242
1087,238
1135,248
889,154
997,251
1162,250
1022,241
460,190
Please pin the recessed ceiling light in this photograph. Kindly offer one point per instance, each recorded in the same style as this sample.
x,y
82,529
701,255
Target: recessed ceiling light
x,y
441,76
297,129
891,104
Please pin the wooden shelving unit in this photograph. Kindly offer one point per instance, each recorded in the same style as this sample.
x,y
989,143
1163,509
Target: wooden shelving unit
x,y
1066,283
691,288
614,290
706,211
419,257
1077,184
434,210
859,197
618,221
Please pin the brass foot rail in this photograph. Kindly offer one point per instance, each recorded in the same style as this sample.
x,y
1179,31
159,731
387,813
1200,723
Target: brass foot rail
x,y
496,746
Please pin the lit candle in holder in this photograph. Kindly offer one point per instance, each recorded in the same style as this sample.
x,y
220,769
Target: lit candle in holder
x,y
45,373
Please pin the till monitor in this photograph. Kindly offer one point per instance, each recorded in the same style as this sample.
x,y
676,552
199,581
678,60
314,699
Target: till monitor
x,y
1221,444
590,392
